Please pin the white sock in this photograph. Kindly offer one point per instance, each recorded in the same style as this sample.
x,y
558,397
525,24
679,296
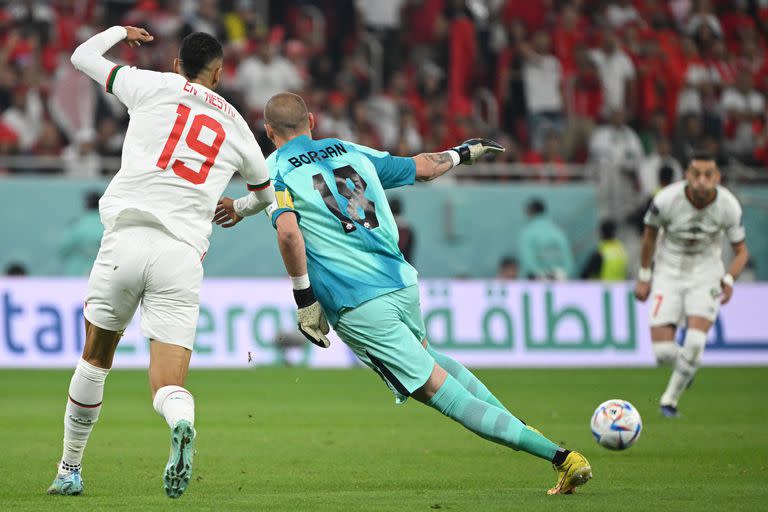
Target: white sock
x,y
687,363
86,390
175,403
665,352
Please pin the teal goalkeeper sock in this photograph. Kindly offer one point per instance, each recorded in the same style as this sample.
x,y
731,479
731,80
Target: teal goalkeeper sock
x,y
465,377
489,422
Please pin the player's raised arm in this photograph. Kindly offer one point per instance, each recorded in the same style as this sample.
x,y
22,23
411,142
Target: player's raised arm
x,y
433,165
89,56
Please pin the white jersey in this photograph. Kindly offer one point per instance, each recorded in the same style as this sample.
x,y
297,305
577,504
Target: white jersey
x,y
183,144
690,245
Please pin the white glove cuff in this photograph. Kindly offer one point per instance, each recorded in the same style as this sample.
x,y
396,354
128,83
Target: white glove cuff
x,y
455,158
300,282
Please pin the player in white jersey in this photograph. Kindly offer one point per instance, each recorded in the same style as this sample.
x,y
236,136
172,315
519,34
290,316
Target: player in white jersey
x,y
183,144
689,281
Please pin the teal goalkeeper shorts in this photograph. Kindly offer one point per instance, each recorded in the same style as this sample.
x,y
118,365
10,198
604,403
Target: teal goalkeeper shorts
x,y
386,334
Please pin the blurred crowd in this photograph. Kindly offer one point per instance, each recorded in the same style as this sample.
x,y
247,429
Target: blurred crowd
x,y
631,84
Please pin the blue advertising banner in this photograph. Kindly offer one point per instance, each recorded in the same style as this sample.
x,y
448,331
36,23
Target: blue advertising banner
x,y
482,323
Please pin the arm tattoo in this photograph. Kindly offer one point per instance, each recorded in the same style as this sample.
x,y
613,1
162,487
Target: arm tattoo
x,y
439,158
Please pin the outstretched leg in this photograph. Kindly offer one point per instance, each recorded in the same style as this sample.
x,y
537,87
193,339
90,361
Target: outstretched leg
x,y
445,394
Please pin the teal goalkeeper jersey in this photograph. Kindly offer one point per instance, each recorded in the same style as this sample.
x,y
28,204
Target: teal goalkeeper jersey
x,y
336,188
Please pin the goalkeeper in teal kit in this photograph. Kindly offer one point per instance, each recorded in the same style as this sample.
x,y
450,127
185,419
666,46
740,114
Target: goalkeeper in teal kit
x,y
338,240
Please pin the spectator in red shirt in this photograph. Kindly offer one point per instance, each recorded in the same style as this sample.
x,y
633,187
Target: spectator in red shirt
x,y
420,18
654,81
532,13
735,19
584,99
721,65
759,156
570,32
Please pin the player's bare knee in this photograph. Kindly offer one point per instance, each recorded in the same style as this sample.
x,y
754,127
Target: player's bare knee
x,y
663,332
699,323
433,384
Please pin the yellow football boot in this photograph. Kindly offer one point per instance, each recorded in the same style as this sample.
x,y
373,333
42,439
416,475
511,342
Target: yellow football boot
x,y
573,472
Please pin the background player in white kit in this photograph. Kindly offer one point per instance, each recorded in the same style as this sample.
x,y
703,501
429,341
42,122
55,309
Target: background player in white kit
x,y
689,279
183,144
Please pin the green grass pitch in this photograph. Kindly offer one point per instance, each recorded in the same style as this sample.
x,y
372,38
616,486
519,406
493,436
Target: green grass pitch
x,y
298,439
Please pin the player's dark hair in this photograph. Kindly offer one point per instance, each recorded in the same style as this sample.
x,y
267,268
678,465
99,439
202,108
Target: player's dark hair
x,y
699,155
536,207
198,50
607,229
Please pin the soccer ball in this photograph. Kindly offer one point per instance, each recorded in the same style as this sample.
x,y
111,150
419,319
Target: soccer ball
x,y
616,424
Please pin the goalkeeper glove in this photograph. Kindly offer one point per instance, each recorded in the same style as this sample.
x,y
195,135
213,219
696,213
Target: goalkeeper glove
x,y
473,149
311,319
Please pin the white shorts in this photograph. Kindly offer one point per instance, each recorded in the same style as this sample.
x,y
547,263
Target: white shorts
x,y
145,264
674,300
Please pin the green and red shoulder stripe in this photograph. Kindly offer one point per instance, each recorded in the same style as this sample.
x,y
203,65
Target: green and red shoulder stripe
x,y
261,186
111,77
